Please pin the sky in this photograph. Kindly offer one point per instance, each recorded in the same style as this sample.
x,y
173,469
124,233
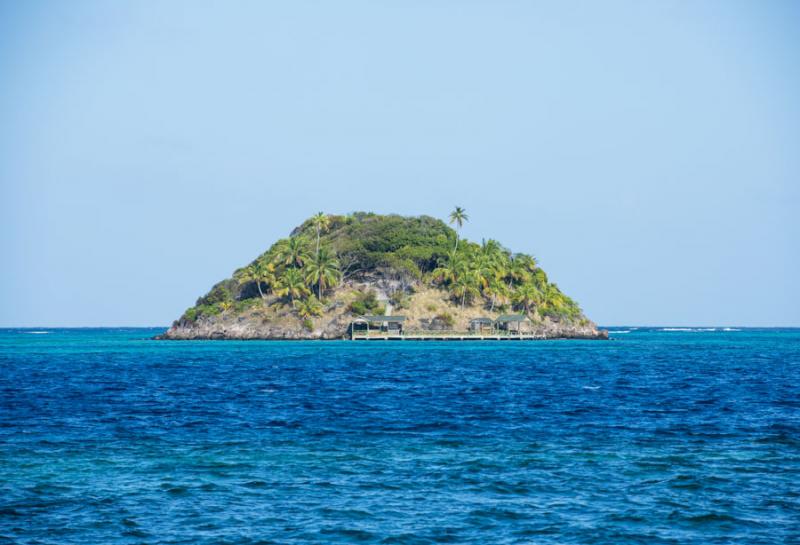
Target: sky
x,y
646,152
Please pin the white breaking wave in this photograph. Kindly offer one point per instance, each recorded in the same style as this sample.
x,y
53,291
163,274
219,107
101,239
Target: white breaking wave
x,y
37,332
731,329
689,329
621,331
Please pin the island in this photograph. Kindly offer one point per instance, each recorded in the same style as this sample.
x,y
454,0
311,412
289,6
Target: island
x,y
365,276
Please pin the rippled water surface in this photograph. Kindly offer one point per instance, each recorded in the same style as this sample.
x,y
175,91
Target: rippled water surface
x,y
655,437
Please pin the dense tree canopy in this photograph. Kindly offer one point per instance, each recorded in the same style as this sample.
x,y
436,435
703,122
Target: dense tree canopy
x,y
301,269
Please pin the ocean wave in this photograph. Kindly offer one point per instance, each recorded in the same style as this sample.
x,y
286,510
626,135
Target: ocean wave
x,y
620,331
689,329
731,329
37,332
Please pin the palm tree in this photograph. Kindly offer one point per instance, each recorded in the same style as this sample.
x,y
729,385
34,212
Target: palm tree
x,y
309,307
321,222
497,291
293,251
458,217
526,262
519,270
527,295
293,284
258,272
494,251
322,270
448,269
250,274
539,278
466,284
555,303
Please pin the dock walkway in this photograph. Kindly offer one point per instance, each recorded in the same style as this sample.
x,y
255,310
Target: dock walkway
x,y
456,337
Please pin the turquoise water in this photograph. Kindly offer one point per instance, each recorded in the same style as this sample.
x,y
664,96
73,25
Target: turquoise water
x,y
654,437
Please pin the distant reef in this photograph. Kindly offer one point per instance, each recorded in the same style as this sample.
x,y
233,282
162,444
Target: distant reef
x,y
334,269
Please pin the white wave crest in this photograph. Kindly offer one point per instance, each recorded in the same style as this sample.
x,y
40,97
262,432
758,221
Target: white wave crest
x,y
689,329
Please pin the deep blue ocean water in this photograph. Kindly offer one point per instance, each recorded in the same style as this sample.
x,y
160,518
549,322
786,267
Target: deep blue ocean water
x,y
654,437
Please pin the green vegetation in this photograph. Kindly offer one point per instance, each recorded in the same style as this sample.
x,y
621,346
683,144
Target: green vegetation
x,y
366,303
490,272
446,318
301,271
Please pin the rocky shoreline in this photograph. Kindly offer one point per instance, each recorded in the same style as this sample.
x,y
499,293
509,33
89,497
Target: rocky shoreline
x,y
335,329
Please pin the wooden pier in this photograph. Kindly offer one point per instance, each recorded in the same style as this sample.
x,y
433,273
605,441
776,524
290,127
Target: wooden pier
x,y
390,328
449,337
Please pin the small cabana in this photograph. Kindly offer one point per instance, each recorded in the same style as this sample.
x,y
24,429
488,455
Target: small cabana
x,y
382,323
359,326
481,324
507,322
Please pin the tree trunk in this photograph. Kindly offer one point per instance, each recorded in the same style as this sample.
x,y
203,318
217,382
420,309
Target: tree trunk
x,y
492,307
258,285
463,296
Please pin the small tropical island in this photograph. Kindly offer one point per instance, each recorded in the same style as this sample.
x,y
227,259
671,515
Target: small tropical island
x,y
365,276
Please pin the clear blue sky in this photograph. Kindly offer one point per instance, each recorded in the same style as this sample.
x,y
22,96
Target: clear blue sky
x,y
648,153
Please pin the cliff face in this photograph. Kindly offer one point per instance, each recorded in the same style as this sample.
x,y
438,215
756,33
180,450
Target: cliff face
x,y
380,264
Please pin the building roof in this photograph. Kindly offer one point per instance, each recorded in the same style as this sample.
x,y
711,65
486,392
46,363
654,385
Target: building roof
x,y
511,318
384,318
482,320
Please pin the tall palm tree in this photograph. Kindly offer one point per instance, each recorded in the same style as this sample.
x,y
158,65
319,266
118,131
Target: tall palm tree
x,y
527,295
497,291
250,274
466,284
258,272
292,251
293,284
321,222
457,218
322,270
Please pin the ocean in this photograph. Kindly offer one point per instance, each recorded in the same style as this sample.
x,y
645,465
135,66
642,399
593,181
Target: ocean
x,y
660,435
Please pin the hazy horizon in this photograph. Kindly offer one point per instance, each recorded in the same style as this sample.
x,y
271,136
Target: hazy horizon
x,y
645,153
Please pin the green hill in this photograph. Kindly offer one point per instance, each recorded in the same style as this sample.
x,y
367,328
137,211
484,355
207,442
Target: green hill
x,y
334,268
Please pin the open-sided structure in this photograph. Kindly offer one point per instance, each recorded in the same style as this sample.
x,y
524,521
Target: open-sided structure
x,y
511,322
481,324
392,325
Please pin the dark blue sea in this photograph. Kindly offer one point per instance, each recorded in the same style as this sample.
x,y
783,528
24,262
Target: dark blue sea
x,y
676,436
